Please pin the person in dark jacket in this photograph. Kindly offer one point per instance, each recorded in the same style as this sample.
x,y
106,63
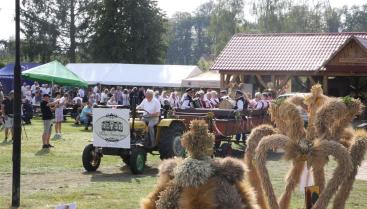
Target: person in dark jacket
x,y
47,117
188,101
27,112
241,104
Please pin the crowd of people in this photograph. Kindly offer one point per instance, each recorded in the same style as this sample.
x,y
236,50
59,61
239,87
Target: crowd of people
x,y
211,99
55,101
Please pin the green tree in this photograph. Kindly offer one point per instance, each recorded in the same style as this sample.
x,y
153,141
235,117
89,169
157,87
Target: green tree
x,y
333,22
271,15
355,18
7,51
74,21
188,36
226,16
129,31
296,20
202,41
56,28
40,29
180,39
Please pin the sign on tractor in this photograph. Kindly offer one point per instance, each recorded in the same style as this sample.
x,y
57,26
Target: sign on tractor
x,y
111,128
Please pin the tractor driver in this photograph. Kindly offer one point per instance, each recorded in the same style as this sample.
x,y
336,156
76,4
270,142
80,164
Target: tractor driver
x,y
152,111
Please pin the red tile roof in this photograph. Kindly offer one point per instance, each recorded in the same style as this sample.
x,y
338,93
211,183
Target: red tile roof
x,y
363,42
282,52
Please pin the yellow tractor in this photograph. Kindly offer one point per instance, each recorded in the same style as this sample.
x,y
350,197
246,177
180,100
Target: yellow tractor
x,y
122,133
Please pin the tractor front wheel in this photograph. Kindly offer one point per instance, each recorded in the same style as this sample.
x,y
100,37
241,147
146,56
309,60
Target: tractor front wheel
x,y
91,159
137,160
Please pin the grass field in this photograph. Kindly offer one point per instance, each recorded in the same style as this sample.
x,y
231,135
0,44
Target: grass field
x,y
57,176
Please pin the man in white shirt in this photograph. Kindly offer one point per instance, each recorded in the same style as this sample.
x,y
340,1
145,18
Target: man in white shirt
x,y
77,98
34,86
24,89
81,92
45,89
152,111
95,89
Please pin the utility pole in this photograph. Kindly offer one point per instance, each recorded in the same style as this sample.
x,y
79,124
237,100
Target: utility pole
x,y
17,109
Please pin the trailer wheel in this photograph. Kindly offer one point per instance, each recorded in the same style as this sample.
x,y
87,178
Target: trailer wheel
x,y
91,159
137,160
224,150
170,141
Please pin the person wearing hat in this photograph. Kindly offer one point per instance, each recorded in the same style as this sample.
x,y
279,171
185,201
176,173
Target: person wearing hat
x,y
223,95
8,113
47,117
188,100
241,104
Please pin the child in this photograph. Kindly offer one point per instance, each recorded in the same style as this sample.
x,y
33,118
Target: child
x,y
59,114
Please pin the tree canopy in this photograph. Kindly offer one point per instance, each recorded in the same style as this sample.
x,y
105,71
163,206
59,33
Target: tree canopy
x,y
137,31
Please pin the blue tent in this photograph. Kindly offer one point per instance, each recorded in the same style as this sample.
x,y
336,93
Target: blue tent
x,y
7,75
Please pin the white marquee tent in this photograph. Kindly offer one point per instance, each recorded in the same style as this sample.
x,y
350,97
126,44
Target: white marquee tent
x,y
210,79
134,74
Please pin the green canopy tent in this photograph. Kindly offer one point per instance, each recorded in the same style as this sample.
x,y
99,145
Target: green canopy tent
x,y
55,73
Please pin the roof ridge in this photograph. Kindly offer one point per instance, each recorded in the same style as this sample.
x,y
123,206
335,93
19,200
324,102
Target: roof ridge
x,y
300,34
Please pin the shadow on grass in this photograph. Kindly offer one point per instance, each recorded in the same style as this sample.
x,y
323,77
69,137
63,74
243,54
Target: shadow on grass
x,y
124,176
3,143
42,152
274,156
238,152
76,125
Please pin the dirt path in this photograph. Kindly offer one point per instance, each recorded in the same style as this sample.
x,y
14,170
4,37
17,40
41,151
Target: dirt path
x,y
362,172
77,178
70,179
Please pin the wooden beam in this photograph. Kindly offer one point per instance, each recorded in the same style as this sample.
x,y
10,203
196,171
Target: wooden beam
x,y
242,78
312,81
273,81
228,78
234,78
325,84
299,81
261,81
284,82
222,83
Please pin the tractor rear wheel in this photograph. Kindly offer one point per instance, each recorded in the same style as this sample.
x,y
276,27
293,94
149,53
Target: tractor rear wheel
x,y
90,158
170,141
137,160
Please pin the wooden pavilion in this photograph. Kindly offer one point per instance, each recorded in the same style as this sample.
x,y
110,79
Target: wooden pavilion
x,y
336,60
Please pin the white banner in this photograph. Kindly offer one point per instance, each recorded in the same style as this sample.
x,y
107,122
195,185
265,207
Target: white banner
x,y
111,128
